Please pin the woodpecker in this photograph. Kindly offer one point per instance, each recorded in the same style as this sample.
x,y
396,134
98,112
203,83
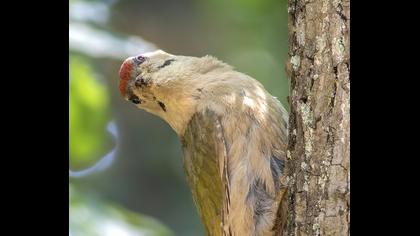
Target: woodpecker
x,y
233,135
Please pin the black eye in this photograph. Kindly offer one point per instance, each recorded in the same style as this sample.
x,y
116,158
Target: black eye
x,y
139,59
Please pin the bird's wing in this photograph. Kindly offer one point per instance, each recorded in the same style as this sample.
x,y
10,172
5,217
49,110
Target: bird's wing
x,y
205,164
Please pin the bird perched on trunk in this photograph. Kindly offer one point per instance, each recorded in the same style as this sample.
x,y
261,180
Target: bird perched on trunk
x,y
233,133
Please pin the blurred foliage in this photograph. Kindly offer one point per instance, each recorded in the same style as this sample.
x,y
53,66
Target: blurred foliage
x,y
88,104
255,34
91,216
146,177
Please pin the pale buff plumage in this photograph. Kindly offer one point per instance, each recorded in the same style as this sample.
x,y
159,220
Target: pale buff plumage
x,y
253,121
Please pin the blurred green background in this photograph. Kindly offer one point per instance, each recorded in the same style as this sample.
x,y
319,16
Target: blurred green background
x,y
143,191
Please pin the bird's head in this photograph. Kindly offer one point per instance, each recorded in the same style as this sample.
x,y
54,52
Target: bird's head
x,y
167,85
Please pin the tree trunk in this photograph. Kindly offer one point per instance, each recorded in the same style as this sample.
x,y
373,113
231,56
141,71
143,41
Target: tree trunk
x,y
318,198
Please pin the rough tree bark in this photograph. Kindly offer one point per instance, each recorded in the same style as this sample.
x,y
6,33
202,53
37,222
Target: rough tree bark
x,y
318,201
